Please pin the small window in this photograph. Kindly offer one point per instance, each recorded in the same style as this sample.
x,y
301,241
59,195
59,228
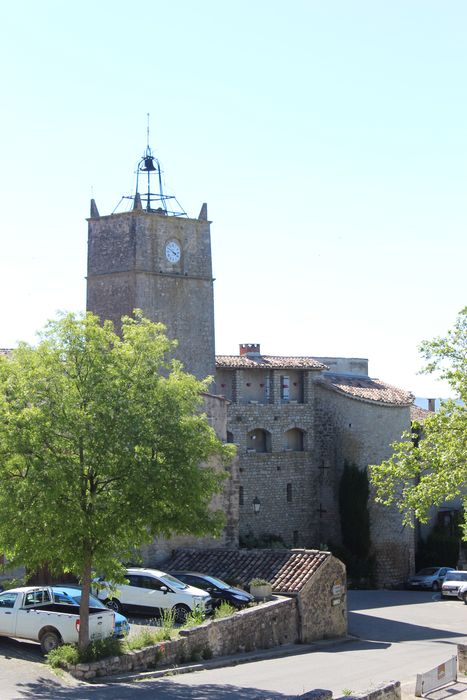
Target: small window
x,y
136,581
7,600
153,583
293,440
295,538
259,440
36,598
240,495
289,493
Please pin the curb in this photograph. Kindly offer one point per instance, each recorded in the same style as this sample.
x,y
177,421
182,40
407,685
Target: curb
x,y
225,661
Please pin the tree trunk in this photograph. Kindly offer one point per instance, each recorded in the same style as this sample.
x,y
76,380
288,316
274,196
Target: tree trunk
x,y
83,640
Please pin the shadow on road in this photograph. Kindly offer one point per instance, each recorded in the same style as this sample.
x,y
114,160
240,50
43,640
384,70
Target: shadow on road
x,y
368,600
162,689
14,649
449,691
375,628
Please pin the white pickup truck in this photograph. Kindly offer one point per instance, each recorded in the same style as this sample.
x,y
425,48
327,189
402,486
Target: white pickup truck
x,y
30,612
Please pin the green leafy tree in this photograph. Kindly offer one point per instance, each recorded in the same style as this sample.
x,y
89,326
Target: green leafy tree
x,y
102,446
429,466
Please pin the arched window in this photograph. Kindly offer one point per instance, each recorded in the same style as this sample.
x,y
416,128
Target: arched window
x,y
259,440
230,437
293,440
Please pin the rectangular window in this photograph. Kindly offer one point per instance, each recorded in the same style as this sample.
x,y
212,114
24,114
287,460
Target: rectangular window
x,y
240,495
289,493
285,388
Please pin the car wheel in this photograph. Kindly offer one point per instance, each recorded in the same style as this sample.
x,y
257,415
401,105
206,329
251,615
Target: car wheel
x,y
113,604
435,586
181,613
464,598
50,640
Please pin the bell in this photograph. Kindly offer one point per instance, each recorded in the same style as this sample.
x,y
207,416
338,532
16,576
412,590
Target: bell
x,y
148,164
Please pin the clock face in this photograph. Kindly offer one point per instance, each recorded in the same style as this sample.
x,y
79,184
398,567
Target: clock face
x,y
172,251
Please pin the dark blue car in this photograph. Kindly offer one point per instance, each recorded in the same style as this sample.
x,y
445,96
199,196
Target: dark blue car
x,y
219,590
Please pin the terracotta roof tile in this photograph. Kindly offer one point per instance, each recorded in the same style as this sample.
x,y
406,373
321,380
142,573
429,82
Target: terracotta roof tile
x,y
287,570
418,413
366,389
266,362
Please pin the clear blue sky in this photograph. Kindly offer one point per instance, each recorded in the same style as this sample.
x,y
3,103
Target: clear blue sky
x,y
328,138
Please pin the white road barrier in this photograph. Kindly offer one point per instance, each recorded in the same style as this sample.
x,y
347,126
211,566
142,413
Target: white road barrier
x,y
441,675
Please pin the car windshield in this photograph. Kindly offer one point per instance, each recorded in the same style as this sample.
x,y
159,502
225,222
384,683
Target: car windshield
x,y
427,572
457,576
173,582
74,598
217,582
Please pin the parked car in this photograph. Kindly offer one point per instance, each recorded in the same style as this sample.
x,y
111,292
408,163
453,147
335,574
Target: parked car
x,y
218,590
71,595
150,591
30,612
452,583
432,578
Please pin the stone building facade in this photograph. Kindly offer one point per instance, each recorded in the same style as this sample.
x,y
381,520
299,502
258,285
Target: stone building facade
x,y
162,264
296,422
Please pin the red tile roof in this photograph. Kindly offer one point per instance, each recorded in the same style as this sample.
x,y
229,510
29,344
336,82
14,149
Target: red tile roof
x,y
266,362
287,570
419,414
367,389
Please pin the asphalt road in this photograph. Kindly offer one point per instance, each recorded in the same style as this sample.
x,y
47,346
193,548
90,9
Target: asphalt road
x,y
399,633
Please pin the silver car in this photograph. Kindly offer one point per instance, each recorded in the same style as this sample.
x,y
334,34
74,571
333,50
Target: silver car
x,y
430,578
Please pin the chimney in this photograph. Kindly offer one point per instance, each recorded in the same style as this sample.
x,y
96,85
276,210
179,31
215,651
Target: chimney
x,y
432,405
250,349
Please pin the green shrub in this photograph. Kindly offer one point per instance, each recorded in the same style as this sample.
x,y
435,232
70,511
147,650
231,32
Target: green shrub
x,y
194,618
148,637
224,610
259,582
63,655
70,654
167,622
100,649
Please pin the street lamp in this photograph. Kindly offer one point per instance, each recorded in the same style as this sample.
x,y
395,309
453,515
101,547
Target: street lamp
x,y
256,505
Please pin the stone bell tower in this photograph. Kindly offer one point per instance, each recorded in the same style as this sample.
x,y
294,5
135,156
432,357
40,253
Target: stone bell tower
x,y
155,258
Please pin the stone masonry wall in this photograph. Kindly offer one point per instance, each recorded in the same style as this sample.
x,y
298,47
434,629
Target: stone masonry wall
x,y
283,480
267,625
322,603
127,269
361,433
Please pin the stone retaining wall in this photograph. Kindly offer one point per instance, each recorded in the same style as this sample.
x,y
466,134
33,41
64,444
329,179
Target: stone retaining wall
x,y
387,691
267,625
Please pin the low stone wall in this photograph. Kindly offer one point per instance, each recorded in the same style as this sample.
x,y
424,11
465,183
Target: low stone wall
x,y
462,659
262,627
386,691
